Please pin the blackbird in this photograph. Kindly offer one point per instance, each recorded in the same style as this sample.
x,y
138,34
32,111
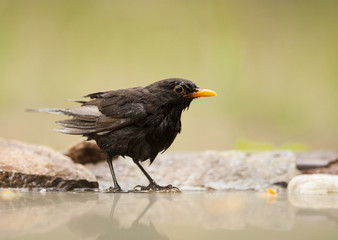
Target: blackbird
x,y
137,122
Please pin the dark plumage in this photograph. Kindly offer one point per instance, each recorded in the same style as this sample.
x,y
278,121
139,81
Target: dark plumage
x,y
137,122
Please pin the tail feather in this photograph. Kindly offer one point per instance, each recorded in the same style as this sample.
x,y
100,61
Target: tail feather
x,y
74,131
75,123
83,121
77,101
48,110
89,111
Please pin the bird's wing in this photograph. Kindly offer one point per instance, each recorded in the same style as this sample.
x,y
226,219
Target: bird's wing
x,y
108,111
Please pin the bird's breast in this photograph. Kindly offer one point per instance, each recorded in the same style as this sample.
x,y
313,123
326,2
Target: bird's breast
x,y
162,134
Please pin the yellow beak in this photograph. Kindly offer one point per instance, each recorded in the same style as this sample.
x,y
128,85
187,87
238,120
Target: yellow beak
x,y
202,93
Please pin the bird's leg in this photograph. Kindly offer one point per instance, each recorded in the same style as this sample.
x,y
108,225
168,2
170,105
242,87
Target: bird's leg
x,y
153,186
151,180
117,187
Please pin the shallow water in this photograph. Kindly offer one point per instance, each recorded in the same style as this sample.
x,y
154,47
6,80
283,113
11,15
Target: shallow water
x,y
186,215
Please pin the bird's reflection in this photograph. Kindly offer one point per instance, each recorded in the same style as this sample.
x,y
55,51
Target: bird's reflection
x,y
109,227
130,216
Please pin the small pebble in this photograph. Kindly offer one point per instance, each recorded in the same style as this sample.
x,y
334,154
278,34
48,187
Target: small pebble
x,y
313,184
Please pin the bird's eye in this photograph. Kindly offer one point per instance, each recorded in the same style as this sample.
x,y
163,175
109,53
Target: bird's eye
x,y
178,89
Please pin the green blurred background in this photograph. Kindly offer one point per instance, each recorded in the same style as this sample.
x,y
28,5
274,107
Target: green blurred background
x,y
273,64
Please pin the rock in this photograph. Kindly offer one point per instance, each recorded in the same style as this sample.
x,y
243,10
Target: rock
x,y
313,184
29,166
23,180
218,170
86,152
331,168
308,161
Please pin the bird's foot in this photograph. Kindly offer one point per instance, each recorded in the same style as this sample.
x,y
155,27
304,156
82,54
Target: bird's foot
x,y
114,190
156,188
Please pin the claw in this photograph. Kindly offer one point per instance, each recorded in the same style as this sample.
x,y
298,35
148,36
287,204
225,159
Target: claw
x,y
114,190
156,188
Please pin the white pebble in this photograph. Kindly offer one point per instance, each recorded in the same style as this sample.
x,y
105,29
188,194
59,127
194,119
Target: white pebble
x,y
313,184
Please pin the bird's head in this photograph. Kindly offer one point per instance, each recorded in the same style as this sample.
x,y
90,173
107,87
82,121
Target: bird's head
x,y
178,91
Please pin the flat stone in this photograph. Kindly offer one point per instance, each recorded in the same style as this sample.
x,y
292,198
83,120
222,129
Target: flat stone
x,y
216,170
23,180
331,168
313,184
30,166
315,159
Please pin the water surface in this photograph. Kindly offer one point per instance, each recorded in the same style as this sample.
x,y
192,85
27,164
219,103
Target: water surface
x,y
187,215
